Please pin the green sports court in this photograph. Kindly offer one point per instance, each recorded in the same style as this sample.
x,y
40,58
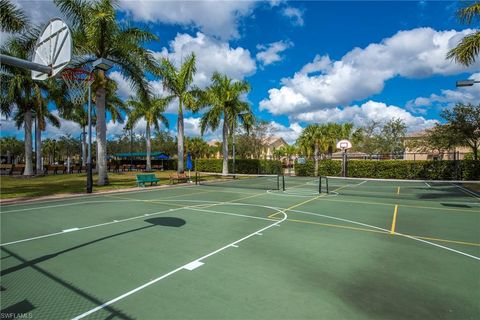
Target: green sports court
x,y
247,249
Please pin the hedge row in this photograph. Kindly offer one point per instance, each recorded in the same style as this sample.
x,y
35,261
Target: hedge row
x,y
241,166
396,169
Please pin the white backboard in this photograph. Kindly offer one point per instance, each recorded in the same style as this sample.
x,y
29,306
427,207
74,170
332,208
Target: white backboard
x,y
53,48
344,144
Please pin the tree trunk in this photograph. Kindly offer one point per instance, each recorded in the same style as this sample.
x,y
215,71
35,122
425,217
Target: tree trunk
x,y
180,138
149,148
38,142
102,131
315,155
225,147
84,147
28,143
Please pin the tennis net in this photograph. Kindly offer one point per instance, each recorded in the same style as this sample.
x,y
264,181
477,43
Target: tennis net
x,y
434,190
248,181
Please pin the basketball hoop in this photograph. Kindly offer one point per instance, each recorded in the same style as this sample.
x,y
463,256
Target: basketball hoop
x,y
78,81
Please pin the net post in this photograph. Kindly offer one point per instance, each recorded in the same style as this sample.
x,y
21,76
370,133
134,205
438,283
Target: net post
x,y
278,182
320,184
196,177
283,182
326,183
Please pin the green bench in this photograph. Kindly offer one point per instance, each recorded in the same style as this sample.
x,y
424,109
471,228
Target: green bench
x,y
144,178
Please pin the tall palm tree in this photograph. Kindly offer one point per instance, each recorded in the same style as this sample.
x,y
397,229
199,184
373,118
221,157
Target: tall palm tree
x,y
97,34
151,109
42,115
178,81
19,91
12,19
467,50
224,98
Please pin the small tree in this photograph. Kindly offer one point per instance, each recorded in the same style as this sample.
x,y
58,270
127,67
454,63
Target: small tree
x,y
463,124
393,132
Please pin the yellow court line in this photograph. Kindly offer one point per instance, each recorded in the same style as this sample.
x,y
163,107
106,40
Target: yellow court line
x,y
383,232
394,220
403,205
398,190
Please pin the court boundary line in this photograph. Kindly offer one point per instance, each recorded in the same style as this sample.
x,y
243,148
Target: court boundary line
x,y
232,244
394,219
387,231
213,203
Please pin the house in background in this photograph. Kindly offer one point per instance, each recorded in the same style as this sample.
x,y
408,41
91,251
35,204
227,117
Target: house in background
x,y
426,153
271,144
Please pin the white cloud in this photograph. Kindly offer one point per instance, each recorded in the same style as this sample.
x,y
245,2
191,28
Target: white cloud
x,y
289,134
212,55
367,112
270,53
192,129
38,11
295,14
217,18
448,97
361,73
124,89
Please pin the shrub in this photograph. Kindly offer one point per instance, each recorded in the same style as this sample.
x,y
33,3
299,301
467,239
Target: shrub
x,y
253,166
396,169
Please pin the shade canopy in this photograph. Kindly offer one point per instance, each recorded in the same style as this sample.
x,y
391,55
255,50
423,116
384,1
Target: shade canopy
x,y
155,155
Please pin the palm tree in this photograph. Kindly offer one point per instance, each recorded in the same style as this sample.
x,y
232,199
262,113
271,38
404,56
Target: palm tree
x,y
42,115
97,34
12,19
315,136
179,83
197,147
19,91
151,109
224,98
468,49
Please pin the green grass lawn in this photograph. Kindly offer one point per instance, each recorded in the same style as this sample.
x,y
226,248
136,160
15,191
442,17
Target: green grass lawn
x,y
28,187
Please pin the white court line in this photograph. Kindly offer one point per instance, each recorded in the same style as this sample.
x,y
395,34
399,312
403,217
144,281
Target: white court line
x,y
143,216
70,230
83,315
90,195
387,231
428,185
466,191
193,265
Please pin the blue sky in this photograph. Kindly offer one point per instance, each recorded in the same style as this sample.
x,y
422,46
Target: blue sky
x,y
307,62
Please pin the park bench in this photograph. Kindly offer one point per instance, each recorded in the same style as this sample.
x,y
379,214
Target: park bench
x,y
17,168
178,176
77,169
126,167
55,169
142,179
141,167
6,168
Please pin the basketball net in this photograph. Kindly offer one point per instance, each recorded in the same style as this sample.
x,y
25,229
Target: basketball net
x,y
78,81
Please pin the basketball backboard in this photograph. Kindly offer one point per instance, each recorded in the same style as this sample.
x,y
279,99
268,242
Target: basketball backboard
x,y
53,49
344,144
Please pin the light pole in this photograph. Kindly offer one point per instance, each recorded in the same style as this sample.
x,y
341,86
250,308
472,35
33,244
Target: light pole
x,y
105,65
54,147
233,140
466,83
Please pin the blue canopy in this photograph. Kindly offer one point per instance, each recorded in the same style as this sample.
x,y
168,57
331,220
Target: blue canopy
x,y
155,155
189,161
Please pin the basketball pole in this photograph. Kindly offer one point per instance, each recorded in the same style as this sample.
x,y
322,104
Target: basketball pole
x,y
20,63
89,152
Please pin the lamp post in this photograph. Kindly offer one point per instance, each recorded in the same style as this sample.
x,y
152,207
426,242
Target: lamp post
x,y
466,83
233,140
105,65
54,147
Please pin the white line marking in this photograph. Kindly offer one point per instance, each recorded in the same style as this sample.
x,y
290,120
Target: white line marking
x,y
428,185
70,230
178,269
155,213
234,245
469,192
259,234
388,231
193,265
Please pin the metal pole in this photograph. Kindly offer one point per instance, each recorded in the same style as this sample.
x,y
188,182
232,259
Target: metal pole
x,y
16,62
233,147
89,152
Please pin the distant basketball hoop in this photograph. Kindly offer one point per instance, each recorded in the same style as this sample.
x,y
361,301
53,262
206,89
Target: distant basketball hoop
x,y
344,145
